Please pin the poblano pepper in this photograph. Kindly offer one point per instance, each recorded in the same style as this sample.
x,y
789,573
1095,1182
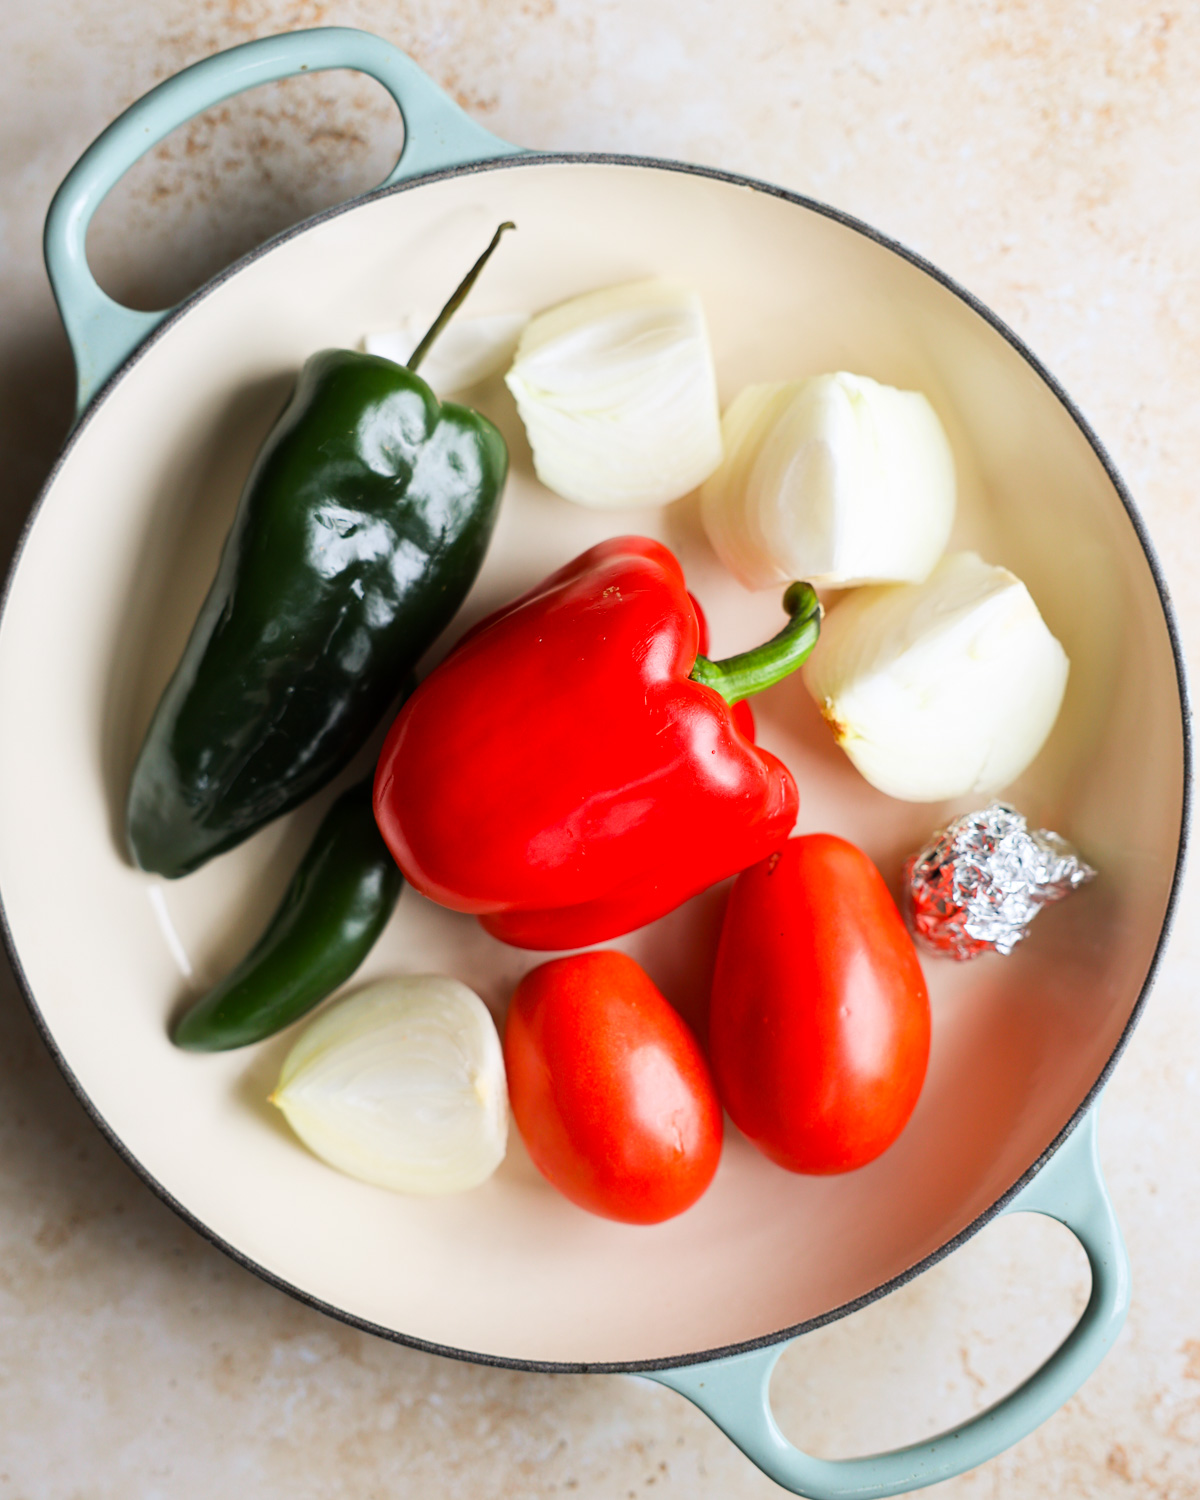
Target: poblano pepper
x,y
337,904
360,529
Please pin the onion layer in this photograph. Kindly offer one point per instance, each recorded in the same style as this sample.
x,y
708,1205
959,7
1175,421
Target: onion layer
x,y
836,479
618,396
940,689
401,1085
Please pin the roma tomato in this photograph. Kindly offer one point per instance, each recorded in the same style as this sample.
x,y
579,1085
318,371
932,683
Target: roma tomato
x,y
819,1024
610,1090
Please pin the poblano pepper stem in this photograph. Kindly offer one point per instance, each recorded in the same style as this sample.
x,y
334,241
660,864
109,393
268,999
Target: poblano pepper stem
x,y
738,677
457,298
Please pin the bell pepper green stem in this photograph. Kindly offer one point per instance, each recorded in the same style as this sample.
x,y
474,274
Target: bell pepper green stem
x,y
738,677
458,297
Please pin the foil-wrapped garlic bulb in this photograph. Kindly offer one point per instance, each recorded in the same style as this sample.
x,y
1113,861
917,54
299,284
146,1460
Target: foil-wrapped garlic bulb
x,y
401,1085
979,882
618,395
940,689
837,479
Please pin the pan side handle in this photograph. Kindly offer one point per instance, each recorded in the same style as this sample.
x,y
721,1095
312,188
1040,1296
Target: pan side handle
x,y
735,1392
437,135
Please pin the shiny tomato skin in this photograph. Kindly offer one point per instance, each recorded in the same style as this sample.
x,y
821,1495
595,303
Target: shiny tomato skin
x,y
819,1025
610,1090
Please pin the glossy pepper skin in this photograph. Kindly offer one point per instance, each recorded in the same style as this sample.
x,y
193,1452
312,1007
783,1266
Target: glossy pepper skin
x,y
561,775
334,909
743,714
361,527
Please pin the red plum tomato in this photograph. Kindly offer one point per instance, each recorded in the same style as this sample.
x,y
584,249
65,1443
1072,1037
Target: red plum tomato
x,y
819,1023
610,1090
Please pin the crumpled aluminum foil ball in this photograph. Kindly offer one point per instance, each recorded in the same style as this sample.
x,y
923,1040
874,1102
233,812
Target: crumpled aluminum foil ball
x,y
980,881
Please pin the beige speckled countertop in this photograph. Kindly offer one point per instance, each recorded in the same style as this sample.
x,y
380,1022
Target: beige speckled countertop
x,y
1046,153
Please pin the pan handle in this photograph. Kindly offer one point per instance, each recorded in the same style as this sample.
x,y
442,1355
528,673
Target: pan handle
x,y
437,134
735,1392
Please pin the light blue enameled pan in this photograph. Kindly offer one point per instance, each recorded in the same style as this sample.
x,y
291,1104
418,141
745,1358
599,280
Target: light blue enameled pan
x,y
117,556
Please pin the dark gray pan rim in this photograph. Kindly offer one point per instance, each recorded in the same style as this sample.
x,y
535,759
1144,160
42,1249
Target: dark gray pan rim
x,y
533,160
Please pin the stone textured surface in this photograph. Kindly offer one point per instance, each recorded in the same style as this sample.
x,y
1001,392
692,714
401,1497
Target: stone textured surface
x,y
1044,152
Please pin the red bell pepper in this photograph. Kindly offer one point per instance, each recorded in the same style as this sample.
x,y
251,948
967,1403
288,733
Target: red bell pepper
x,y
742,713
572,770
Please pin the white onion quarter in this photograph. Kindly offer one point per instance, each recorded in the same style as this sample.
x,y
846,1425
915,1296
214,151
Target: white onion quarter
x,y
401,1085
943,688
837,479
618,395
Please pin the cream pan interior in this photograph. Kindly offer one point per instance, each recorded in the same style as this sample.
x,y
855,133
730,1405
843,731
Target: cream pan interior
x,y
109,582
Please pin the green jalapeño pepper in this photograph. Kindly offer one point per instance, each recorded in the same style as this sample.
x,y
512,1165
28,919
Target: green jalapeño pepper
x,y
362,525
337,904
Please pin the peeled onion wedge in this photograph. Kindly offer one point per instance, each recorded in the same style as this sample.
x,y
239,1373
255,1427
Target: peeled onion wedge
x,y
837,479
943,688
618,395
401,1085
